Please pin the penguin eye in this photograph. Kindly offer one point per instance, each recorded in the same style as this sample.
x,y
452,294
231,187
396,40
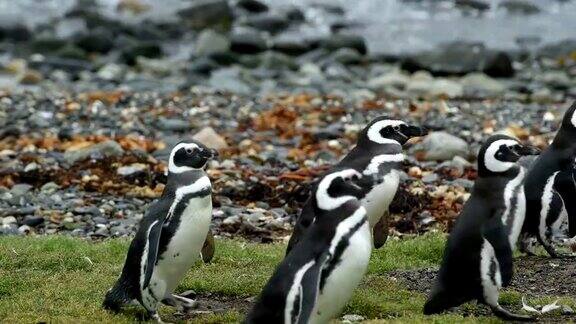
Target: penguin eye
x,y
189,150
396,128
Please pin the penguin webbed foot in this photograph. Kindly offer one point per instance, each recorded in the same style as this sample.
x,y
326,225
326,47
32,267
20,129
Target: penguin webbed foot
x,y
182,304
509,316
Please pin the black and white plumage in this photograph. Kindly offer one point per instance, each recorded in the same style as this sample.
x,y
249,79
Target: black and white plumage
x,y
548,187
478,256
170,236
317,278
377,156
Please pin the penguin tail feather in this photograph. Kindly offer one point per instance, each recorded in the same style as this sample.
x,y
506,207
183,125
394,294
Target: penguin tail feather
x,y
116,297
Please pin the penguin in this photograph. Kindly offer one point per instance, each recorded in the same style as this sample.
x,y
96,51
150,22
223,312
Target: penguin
x,y
545,212
477,258
377,156
170,236
317,278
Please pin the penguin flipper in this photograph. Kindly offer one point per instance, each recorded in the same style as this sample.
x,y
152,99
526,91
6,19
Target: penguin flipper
x,y
495,233
304,221
380,231
311,288
152,242
565,186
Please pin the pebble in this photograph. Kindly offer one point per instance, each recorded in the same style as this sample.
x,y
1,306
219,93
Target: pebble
x,y
211,139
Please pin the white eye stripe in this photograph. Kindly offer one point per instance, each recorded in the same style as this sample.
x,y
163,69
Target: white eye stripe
x,y
490,160
172,167
323,198
374,131
573,119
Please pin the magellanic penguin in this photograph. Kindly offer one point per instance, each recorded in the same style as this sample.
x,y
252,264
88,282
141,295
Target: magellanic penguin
x,y
548,176
377,156
170,236
317,278
478,256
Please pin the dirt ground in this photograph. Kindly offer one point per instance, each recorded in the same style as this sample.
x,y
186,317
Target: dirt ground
x,y
535,276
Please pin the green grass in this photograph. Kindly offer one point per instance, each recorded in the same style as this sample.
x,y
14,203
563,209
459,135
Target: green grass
x,y
63,279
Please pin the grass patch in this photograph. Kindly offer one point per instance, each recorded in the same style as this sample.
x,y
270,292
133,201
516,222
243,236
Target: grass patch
x,y
63,279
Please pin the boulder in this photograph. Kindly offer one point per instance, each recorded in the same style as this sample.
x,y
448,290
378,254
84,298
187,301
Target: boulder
x,y
461,58
441,146
207,13
247,43
210,42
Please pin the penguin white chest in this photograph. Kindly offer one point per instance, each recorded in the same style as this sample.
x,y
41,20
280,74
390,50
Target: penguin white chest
x,y
185,246
379,198
345,277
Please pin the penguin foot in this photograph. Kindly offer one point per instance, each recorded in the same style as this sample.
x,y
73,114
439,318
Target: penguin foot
x,y
183,304
509,316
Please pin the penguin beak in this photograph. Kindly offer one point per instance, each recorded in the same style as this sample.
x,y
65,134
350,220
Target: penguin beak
x,y
529,150
213,153
210,153
416,131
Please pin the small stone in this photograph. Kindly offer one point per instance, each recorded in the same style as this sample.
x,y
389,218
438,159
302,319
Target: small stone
x,y
33,221
353,318
131,169
441,146
105,149
24,229
210,138
100,220
567,310
49,188
210,42
31,77
430,178
9,220
20,189
415,172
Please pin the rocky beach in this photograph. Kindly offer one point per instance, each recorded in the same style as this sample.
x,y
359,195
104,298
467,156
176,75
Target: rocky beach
x,y
93,97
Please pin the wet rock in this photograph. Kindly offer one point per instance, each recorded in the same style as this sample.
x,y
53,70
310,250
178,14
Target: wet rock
x,y
31,77
253,6
103,149
338,41
44,45
229,80
422,84
207,13
519,7
145,49
269,22
460,58
71,51
210,138
395,79
277,61
248,43
472,5
97,41
347,56
112,72
203,65
210,42
479,84
558,50
173,124
16,33
441,146
33,221
291,45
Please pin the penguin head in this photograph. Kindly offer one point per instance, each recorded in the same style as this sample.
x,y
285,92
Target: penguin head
x,y
569,121
383,130
500,153
189,155
337,188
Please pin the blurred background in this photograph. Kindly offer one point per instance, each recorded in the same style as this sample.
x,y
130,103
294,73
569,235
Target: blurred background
x,y
94,93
